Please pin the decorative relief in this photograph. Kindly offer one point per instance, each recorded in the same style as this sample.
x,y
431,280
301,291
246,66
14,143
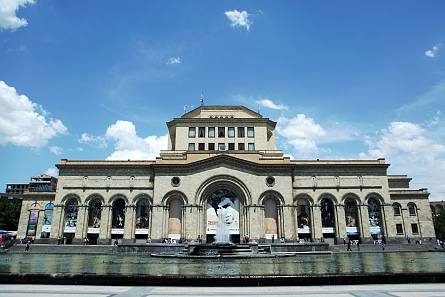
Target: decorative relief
x,y
176,181
270,181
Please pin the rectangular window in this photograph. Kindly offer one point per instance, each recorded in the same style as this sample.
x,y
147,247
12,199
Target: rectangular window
x,y
221,132
192,132
241,146
191,146
201,132
231,132
251,146
211,146
241,132
415,228
211,132
250,132
221,147
399,228
231,146
201,146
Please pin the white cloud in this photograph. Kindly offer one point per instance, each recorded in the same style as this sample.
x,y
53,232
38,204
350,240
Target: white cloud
x,y
305,135
128,145
8,17
52,171
56,150
98,141
239,18
174,60
431,53
270,104
23,122
411,150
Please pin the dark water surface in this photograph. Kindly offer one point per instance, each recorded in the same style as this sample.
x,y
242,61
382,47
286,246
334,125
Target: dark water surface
x,y
299,265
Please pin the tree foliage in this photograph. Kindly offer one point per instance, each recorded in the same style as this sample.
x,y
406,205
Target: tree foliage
x,y
439,225
9,213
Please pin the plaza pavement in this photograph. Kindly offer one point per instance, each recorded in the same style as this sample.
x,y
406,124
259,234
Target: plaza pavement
x,y
404,290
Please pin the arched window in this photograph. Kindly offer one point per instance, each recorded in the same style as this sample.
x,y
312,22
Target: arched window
x,y
327,217
94,214
48,214
142,208
412,209
375,218
118,218
303,218
351,217
396,207
71,208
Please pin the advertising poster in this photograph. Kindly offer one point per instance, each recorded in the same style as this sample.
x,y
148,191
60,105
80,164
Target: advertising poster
x,y
228,203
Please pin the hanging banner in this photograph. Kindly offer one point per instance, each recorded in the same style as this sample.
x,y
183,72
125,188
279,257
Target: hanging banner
x,y
352,231
326,230
376,230
93,230
228,204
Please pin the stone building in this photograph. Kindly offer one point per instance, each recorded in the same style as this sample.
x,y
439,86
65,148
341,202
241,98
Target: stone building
x,y
222,168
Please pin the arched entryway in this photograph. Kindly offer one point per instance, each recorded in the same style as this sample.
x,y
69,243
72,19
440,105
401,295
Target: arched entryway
x,y
142,221
175,209
118,211
70,219
375,218
304,221
328,225
352,218
94,219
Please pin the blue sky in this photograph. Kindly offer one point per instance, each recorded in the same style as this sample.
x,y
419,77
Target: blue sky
x,y
344,79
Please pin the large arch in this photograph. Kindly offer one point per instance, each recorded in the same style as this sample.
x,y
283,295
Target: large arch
x,y
328,213
271,200
375,215
304,216
224,197
222,181
351,204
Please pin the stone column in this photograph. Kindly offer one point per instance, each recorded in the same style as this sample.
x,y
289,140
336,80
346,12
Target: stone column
x,y
341,223
130,213
287,219
191,224
366,236
57,223
105,226
158,223
80,225
316,222
40,223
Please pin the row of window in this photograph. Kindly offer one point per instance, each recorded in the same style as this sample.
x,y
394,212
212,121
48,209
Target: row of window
x,y
222,132
221,146
412,209
414,229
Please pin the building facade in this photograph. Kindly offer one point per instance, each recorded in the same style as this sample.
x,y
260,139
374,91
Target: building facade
x,y
222,165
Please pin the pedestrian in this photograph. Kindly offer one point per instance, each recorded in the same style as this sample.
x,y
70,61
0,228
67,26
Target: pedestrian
x,y
149,239
273,238
116,242
383,247
344,240
58,240
85,241
383,239
349,246
27,246
358,244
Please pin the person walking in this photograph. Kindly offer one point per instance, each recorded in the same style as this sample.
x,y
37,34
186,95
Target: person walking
x,y
349,246
27,246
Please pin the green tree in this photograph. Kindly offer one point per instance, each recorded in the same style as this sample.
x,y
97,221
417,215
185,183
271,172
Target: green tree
x,y
439,225
9,213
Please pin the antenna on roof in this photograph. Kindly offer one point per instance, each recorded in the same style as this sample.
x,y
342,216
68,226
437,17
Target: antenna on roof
x,y
259,112
185,108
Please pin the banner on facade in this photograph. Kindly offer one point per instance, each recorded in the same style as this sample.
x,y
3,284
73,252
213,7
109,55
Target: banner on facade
x,y
376,230
326,230
69,229
141,231
117,231
352,231
226,203
304,230
174,236
93,230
